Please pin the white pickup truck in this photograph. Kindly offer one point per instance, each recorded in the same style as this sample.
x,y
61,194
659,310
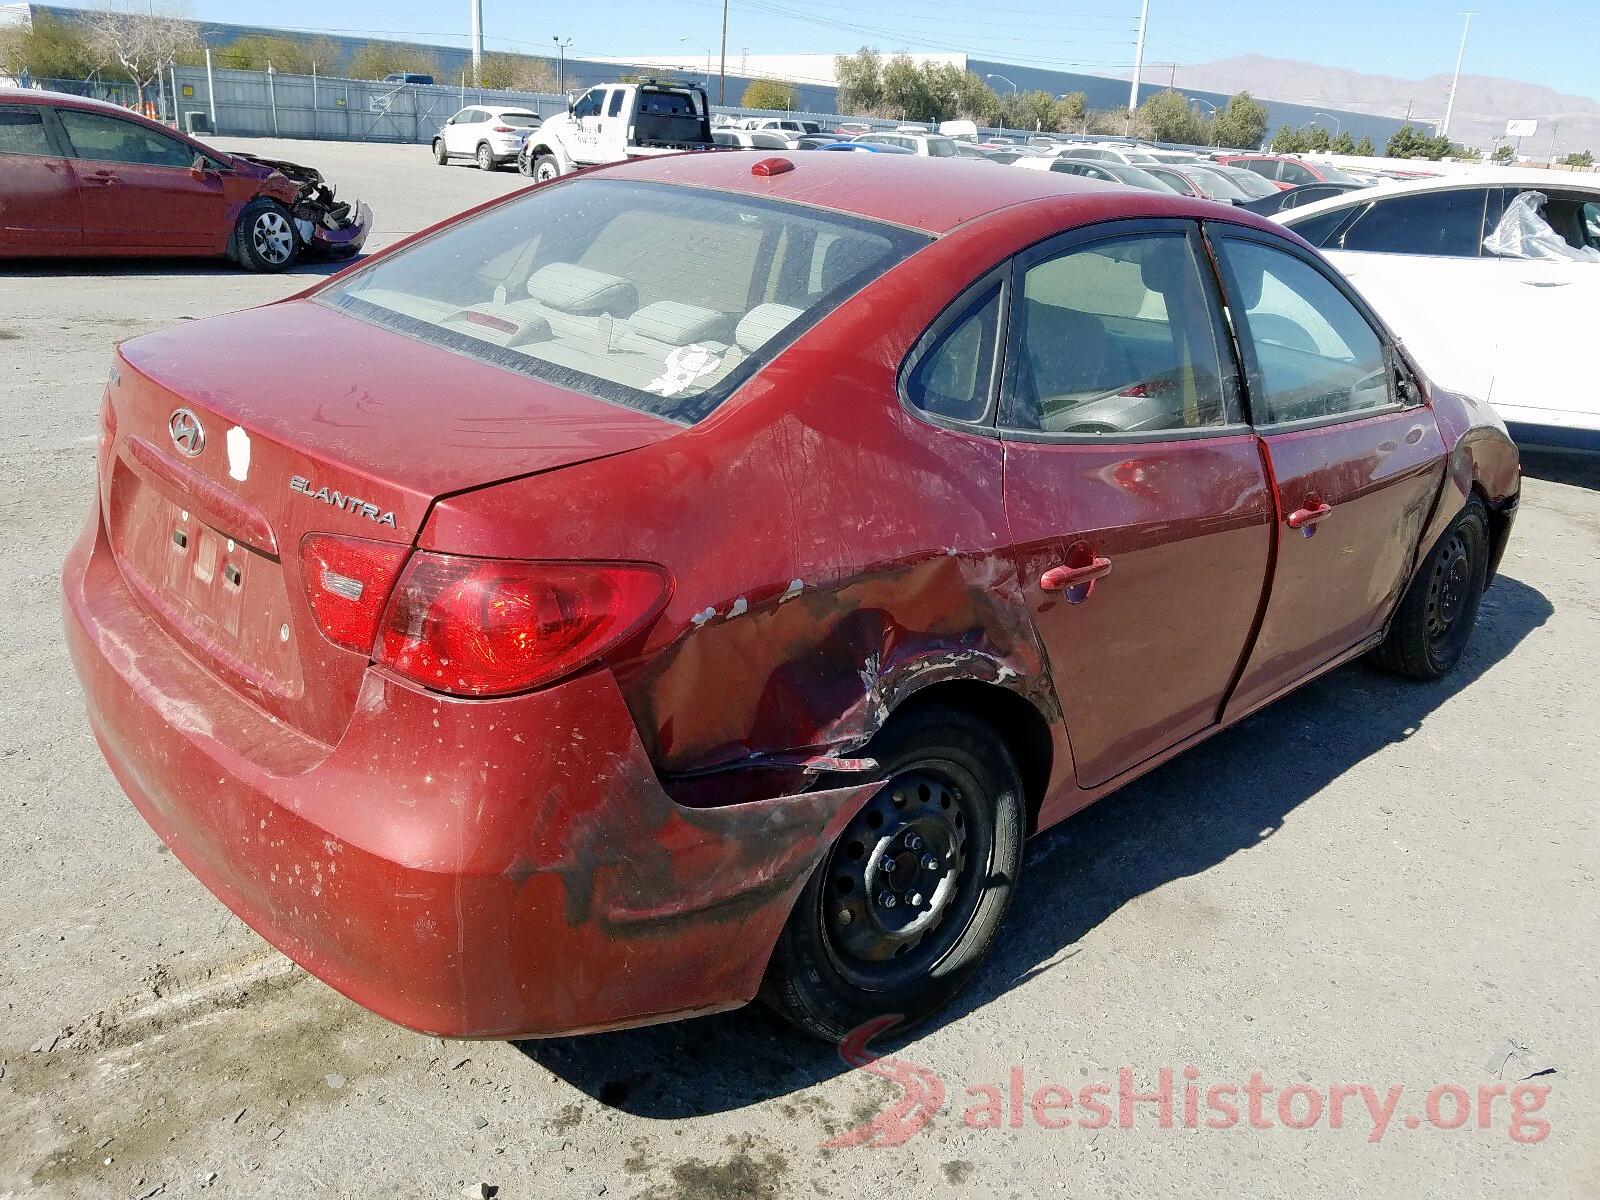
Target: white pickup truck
x,y
614,121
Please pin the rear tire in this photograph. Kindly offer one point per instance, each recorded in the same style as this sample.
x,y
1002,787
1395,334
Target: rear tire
x,y
1431,628
265,238
486,158
908,901
525,164
440,154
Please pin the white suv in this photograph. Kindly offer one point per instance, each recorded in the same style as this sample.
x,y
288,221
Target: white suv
x,y
490,134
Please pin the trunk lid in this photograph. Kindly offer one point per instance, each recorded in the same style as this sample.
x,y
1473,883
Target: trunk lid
x,y
309,422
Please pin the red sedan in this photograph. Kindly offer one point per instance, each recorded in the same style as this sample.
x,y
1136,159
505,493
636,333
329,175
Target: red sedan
x,y
1284,172
82,177
696,577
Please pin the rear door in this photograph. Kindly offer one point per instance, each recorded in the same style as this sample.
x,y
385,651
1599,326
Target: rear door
x,y
138,189
39,211
1135,494
1357,467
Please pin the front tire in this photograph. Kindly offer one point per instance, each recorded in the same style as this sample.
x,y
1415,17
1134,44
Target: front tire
x,y
1431,628
440,154
545,167
908,901
265,238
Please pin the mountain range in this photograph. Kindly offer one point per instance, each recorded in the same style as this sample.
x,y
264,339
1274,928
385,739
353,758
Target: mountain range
x,y
1485,104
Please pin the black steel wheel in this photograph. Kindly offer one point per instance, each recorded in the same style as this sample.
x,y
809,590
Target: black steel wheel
x,y
1434,622
909,898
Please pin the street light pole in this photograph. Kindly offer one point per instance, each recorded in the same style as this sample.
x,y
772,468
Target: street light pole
x,y
1455,83
1003,79
477,43
1138,64
1337,124
561,60
707,49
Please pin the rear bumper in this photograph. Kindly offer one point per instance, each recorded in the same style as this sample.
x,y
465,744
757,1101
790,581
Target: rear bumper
x,y
468,869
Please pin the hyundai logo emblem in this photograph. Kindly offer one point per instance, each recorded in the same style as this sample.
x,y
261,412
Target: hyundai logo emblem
x,y
187,435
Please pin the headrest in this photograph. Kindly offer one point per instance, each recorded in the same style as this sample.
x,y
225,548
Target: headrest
x,y
678,324
575,289
1161,267
762,323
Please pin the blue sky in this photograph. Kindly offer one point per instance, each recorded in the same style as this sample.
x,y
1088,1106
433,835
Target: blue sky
x,y
1410,38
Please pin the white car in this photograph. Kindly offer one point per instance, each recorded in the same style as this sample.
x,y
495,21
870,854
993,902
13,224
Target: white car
x,y
1494,289
489,134
1131,156
928,145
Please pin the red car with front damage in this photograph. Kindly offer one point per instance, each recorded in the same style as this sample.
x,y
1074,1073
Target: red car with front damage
x,y
695,578
81,177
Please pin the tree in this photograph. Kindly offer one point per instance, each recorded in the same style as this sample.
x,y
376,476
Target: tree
x,y
1167,117
143,42
1072,113
903,91
1503,154
292,56
860,80
1319,139
1107,121
516,73
46,49
768,93
1343,143
376,59
1290,139
1365,148
974,99
1410,142
1241,123
1583,158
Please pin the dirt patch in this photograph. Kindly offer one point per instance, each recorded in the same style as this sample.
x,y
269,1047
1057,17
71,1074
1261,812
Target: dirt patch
x,y
750,1173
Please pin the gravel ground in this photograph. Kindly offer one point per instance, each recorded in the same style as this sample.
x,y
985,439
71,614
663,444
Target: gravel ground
x,y
1373,883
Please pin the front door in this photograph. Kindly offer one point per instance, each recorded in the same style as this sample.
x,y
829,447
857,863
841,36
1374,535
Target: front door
x,y
1135,494
138,189
1357,462
39,211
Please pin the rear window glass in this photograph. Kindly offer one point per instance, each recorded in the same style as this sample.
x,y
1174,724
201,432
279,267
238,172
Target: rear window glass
x,y
660,297
22,132
520,120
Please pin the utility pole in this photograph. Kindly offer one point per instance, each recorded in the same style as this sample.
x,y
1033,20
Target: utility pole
x,y
1455,84
561,68
477,43
1138,64
722,66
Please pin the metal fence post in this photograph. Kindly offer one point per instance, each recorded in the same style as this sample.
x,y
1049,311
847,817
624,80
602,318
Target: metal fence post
x,y
272,98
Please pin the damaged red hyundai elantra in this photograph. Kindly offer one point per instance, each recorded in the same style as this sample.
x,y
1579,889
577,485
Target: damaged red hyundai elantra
x,y
694,579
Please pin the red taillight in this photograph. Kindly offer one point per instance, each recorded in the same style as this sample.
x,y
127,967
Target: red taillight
x,y
504,129
348,582
488,627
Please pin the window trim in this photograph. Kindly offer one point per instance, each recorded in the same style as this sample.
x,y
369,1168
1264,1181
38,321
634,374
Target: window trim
x,y
929,339
1239,323
1237,420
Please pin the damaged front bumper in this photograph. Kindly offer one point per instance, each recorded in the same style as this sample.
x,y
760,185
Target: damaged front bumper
x,y
327,225
501,868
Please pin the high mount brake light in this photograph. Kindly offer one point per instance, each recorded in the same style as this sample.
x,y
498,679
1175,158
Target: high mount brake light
x,y
490,627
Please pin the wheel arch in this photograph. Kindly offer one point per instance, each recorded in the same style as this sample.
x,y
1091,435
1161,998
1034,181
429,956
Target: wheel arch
x,y
1010,716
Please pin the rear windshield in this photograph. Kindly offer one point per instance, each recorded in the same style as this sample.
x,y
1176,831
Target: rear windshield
x,y
660,297
520,120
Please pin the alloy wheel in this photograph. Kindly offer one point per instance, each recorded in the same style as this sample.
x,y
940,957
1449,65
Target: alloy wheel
x,y
273,237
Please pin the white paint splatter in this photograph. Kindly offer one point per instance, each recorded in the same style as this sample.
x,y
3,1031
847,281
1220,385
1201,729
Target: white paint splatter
x,y
795,588
238,454
739,608
700,618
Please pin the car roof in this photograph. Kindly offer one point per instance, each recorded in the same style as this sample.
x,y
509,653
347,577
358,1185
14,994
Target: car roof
x,y
930,194
1498,177
11,95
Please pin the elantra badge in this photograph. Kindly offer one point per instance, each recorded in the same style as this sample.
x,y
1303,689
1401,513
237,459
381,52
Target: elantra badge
x,y
350,504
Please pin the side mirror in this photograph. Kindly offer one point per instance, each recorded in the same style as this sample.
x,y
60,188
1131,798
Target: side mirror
x,y
198,168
